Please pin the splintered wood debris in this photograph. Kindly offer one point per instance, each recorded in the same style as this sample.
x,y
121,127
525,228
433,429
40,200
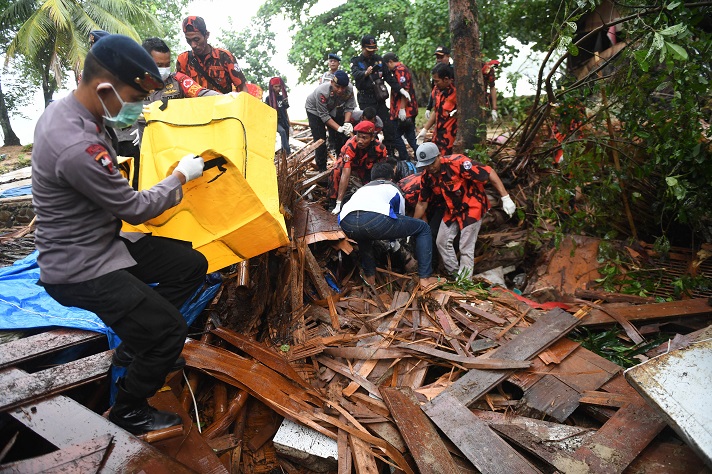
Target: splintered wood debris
x,y
299,366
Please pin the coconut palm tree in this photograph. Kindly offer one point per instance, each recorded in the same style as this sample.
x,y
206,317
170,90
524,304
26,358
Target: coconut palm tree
x,y
53,34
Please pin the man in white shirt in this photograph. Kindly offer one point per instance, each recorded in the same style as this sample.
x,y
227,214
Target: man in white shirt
x,y
377,212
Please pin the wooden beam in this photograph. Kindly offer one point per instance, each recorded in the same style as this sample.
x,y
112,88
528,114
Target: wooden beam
x,y
30,347
649,312
427,448
545,331
21,390
487,451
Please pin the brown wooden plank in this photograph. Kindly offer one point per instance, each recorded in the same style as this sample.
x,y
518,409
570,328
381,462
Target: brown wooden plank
x,y
64,422
190,449
557,393
549,396
666,458
28,387
361,454
86,458
342,440
14,352
487,451
606,399
649,312
619,441
556,434
550,327
482,313
553,456
468,362
427,448
316,274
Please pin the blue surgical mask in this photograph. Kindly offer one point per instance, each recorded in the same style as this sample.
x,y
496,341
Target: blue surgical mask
x,y
127,116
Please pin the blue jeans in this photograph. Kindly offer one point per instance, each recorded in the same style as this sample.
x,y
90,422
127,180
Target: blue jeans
x,y
404,129
365,227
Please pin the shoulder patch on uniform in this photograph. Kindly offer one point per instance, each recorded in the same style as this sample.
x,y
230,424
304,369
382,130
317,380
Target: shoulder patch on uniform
x,y
402,79
188,82
101,156
467,165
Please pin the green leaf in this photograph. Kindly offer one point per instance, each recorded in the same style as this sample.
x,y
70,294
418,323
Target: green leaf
x,y
673,30
677,51
671,181
673,5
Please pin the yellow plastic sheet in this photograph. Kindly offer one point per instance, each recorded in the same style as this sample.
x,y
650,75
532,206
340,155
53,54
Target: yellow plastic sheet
x,y
232,212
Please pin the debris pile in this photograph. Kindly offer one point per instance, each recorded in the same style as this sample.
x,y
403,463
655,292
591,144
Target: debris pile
x,y
300,366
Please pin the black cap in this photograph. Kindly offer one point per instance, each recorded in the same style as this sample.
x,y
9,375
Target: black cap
x,y
128,61
341,78
334,56
96,35
442,50
194,24
369,42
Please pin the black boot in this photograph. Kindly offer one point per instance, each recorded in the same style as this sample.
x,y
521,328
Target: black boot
x,y
123,358
136,416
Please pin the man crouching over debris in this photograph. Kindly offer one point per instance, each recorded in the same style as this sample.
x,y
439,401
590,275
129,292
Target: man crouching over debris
x,y
377,212
461,184
80,198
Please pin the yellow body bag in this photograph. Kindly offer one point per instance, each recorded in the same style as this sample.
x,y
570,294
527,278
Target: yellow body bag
x,y
231,213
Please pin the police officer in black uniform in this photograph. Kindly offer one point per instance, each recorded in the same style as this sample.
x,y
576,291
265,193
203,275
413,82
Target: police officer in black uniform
x,y
367,69
80,199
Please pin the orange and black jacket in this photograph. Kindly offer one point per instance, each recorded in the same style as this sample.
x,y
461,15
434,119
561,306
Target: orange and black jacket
x,y
445,130
219,64
359,160
401,75
461,184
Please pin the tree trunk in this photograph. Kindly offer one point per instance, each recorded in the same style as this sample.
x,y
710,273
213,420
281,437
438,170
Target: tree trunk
x,y
7,132
470,85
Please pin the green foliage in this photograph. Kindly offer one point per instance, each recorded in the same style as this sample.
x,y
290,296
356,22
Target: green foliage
x,y
620,273
666,78
253,48
463,283
608,344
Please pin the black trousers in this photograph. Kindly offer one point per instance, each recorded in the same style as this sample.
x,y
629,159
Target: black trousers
x,y
318,130
145,318
382,110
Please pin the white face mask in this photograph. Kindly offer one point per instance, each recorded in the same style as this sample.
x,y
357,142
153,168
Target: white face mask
x,y
165,72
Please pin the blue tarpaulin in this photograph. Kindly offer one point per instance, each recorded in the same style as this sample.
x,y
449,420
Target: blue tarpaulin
x,y
18,191
24,304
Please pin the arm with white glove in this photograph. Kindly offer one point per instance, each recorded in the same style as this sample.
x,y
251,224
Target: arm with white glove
x,y
136,140
190,167
405,94
508,205
337,208
348,129
495,116
420,138
402,115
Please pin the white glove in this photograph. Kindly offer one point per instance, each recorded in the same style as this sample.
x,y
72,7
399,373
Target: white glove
x,y
348,128
452,113
427,115
291,131
337,209
405,94
401,115
136,139
190,166
495,116
508,205
421,137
